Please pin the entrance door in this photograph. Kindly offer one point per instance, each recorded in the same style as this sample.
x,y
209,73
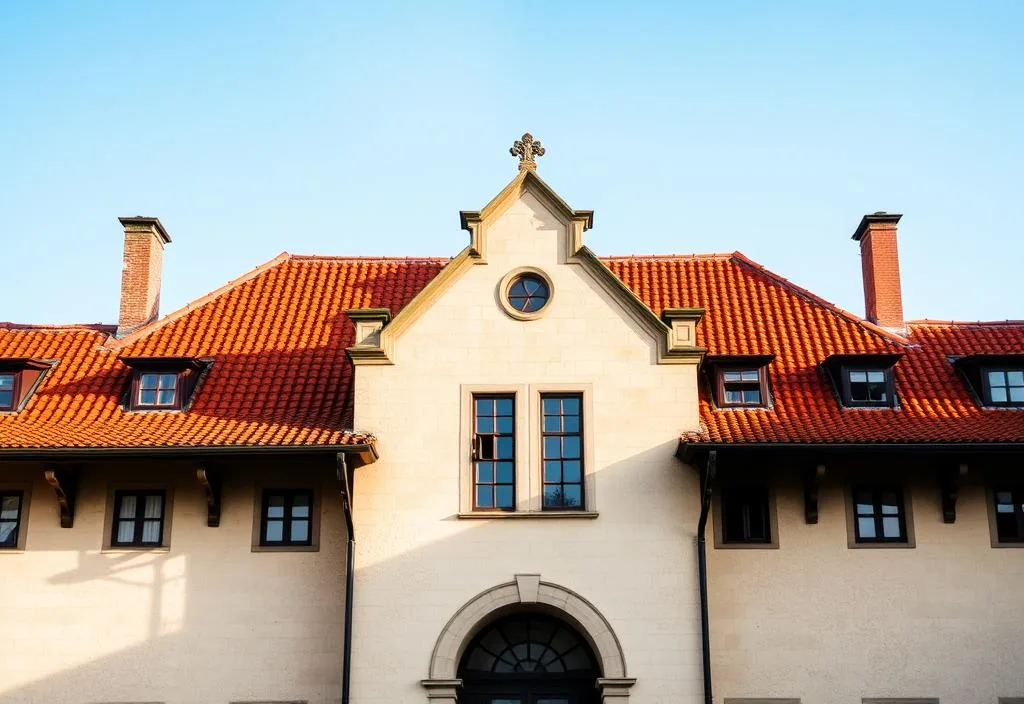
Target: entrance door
x,y
528,659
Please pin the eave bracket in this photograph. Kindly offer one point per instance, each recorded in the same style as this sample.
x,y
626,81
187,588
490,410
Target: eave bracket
x,y
64,487
949,485
812,487
210,483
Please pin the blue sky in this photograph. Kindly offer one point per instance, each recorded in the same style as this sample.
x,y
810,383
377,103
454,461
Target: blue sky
x,y
250,128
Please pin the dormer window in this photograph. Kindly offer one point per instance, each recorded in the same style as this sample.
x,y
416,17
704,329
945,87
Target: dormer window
x,y
163,384
996,380
863,380
739,381
1004,386
157,390
18,379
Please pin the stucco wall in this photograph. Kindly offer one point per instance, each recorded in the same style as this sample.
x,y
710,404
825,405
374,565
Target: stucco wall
x,y
205,621
826,623
418,562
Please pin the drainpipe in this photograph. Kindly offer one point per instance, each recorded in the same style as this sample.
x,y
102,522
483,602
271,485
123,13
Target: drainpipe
x,y
706,478
346,500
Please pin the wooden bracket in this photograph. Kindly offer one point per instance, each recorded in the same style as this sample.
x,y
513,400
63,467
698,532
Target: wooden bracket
x,y
64,486
812,487
210,483
949,485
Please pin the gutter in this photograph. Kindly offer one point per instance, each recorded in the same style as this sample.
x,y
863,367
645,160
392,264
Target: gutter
x,y
346,500
706,479
686,450
367,452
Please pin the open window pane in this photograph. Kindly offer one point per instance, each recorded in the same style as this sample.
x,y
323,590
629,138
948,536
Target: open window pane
x,y
494,449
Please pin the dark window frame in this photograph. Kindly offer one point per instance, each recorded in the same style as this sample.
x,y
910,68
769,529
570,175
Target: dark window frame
x,y
485,452
562,396
721,385
987,387
18,542
15,390
845,383
138,519
903,514
753,503
287,518
137,388
721,494
1016,492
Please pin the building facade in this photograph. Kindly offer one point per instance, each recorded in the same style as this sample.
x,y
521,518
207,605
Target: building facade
x,y
524,474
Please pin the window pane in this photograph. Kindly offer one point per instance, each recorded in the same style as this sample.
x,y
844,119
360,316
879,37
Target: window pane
x,y
552,424
891,527
6,381
505,472
275,531
996,379
1017,394
890,504
154,507
552,407
9,507
485,472
168,381
572,495
865,509
752,397
127,507
750,375
504,449
571,447
485,424
300,531
553,496
553,471
571,424
876,376
147,397
503,496
125,531
6,399
1015,378
866,527
503,406
484,497
570,406
1004,502
998,394
485,406
8,534
147,381
552,448
165,397
275,506
858,377
731,376
571,470
300,506
504,425
151,532
733,396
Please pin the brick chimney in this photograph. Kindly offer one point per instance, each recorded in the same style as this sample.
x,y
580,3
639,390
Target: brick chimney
x,y
880,263
144,240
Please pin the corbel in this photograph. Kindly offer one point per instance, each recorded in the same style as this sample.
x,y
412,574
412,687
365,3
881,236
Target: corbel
x,y
210,483
64,486
949,486
812,487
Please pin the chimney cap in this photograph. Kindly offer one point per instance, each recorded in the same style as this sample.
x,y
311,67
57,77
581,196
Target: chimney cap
x,y
145,222
879,216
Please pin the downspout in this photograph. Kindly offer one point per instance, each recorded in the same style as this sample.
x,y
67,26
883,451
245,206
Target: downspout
x,y
706,479
346,500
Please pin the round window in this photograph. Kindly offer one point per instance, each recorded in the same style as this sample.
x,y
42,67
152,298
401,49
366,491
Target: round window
x,y
528,293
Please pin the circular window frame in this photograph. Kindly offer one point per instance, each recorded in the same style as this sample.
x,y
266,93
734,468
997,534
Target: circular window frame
x,y
506,284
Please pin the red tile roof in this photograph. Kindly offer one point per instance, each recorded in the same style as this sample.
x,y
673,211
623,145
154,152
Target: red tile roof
x,y
280,376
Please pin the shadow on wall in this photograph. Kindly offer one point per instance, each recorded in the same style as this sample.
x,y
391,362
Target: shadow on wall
x,y
197,619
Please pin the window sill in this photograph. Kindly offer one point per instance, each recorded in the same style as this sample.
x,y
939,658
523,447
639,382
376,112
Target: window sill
x,y
485,515
1008,544
12,551
880,546
747,546
127,550
285,548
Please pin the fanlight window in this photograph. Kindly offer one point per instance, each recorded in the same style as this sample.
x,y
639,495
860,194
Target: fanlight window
x,y
531,644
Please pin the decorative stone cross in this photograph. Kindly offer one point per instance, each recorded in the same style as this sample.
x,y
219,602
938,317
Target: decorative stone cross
x,y
526,149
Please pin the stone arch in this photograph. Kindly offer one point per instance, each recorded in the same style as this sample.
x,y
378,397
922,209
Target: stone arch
x,y
526,590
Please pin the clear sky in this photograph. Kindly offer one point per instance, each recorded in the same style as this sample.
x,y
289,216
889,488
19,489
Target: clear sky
x,y
251,127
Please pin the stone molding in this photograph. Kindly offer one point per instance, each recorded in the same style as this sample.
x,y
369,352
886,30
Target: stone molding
x,y
529,590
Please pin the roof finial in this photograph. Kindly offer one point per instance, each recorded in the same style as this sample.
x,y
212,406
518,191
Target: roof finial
x,y
526,149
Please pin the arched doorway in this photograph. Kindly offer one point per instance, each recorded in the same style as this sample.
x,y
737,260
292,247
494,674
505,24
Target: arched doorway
x,y
528,658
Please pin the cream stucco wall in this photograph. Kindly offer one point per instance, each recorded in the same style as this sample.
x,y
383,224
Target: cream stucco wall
x,y
205,621
819,621
418,562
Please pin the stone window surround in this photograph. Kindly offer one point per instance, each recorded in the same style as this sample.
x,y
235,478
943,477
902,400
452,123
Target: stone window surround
x,y
526,591
528,469
108,515
26,501
315,510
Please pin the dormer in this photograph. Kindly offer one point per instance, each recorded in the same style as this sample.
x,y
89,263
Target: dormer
x,y
19,378
739,381
997,381
163,383
863,380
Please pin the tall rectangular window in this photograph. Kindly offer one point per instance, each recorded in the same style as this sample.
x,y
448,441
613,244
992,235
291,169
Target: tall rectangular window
x,y
1009,508
138,519
879,515
286,517
562,450
494,453
10,517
